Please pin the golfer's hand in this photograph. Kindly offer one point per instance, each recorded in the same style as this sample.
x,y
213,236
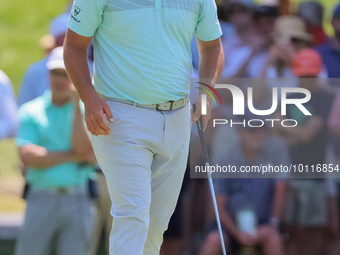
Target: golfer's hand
x,y
95,111
197,114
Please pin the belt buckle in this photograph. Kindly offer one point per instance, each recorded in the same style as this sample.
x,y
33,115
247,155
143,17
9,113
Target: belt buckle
x,y
62,191
171,104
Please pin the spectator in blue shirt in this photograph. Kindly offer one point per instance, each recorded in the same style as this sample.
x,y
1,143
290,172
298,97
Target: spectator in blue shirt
x,y
8,108
250,208
55,147
330,50
36,80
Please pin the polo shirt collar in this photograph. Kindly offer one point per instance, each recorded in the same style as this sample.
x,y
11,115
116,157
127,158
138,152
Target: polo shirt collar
x,y
47,98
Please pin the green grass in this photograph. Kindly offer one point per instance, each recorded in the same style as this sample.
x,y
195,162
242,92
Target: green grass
x,y
9,160
22,24
11,181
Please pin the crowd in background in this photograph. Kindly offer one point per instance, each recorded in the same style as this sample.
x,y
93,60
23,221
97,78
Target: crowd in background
x,y
265,47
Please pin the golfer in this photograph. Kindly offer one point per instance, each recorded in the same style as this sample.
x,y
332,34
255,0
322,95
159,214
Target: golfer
x,y
137,106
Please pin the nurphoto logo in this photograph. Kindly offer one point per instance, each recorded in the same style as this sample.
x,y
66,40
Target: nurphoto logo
x,y
239,103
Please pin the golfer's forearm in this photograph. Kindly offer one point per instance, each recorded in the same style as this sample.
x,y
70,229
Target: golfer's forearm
x,y
77,68
211,64
81,143
50,159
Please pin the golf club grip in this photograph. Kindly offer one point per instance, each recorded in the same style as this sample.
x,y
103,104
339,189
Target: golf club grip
x,y
201,136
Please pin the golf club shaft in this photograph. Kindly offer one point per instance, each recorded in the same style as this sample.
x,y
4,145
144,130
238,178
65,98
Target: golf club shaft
x,y
211,185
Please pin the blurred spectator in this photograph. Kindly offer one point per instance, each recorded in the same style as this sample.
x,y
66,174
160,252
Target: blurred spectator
x,y
330,50
8,108
312,13
260,200
239,47
58,30
330,53
54,144
308,140
36,80
69,7
307,208
289,36
47,43
264,20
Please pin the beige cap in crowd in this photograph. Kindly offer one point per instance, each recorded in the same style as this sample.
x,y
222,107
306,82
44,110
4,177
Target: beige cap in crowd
x,y
290,26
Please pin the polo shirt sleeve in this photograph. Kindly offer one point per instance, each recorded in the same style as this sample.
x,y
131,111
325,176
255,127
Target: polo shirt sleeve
x,y
28,132
86,16
208,27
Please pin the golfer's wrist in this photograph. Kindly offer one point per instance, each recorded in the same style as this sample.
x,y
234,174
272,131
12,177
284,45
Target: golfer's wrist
x,y
90,97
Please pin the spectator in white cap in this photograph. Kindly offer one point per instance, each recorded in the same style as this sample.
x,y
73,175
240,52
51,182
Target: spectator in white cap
x,y
36,80
8,108
54,145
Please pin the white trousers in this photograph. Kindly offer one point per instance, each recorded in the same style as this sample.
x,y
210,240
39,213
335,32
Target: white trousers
x,y
144,161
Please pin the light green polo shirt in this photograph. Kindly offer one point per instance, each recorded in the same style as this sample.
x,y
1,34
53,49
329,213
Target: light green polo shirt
x,y
142,47
50,126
